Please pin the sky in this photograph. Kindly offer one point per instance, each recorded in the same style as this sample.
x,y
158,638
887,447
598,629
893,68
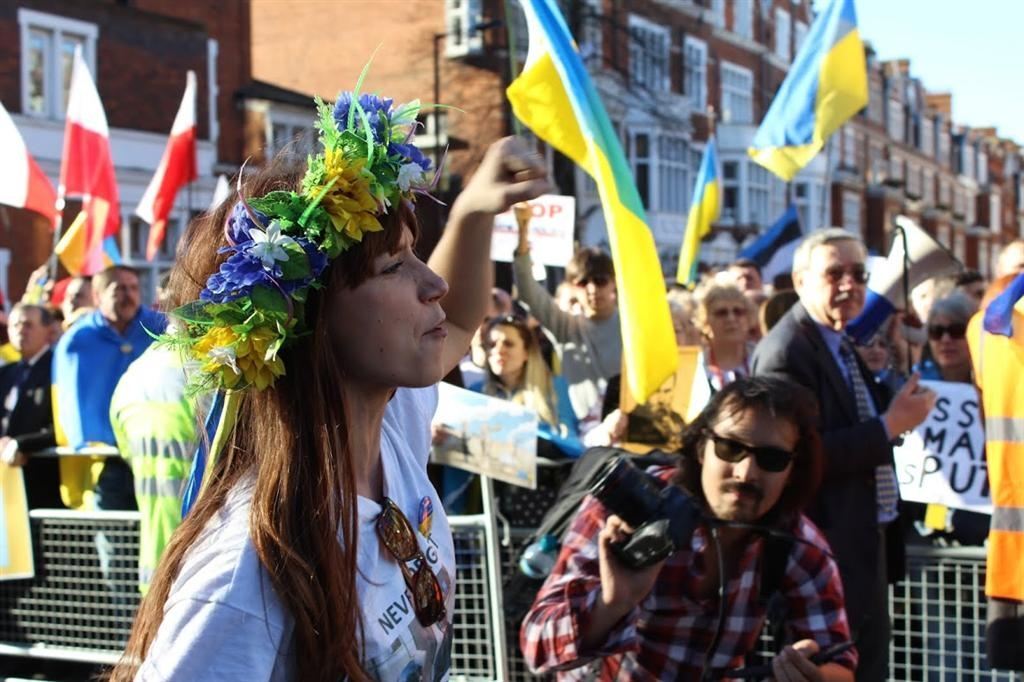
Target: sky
x,y
973,49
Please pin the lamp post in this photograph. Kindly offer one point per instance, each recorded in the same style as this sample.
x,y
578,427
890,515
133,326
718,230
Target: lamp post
x,y
436,114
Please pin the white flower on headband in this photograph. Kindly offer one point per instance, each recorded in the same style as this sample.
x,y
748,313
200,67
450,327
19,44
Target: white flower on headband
x,y
224,355
269,246
410,175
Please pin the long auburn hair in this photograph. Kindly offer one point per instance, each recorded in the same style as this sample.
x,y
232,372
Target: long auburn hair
x,y
292,439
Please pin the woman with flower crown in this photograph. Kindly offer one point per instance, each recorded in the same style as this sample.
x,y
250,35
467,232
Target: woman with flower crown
x,y
317,548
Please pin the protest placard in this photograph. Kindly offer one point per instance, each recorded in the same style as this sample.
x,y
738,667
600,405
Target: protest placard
x,y
486,436
552,221
15,534
942,461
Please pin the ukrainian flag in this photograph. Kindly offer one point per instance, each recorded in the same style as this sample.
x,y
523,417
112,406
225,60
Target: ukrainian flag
x,y
827,84
704,210
79,256
555,98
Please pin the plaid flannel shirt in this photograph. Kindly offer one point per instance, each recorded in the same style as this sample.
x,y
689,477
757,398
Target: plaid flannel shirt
x,y
667,635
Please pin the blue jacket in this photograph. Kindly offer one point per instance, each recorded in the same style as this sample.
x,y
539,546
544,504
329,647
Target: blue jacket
x,y
88,361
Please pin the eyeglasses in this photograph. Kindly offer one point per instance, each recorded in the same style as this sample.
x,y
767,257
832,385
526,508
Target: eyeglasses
x,y
956,331
738,311
857,272
767,457
598,280
399,538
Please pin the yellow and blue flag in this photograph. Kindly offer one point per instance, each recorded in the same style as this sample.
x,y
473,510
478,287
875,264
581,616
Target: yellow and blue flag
x,y
556,99
78,256
827,84
704,210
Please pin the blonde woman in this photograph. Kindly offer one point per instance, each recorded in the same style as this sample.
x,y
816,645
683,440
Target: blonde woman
x,y
724,318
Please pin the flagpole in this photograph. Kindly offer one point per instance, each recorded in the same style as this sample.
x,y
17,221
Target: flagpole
x,y
58,225
513,63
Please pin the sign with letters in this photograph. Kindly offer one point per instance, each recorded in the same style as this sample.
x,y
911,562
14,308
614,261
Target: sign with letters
x,y
551,231
942,461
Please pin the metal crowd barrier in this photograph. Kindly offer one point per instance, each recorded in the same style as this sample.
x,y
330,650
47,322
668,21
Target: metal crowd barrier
x,y
68,612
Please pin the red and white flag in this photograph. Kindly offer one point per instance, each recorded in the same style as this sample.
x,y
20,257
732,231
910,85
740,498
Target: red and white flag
x,y
177,168
22,181
87,169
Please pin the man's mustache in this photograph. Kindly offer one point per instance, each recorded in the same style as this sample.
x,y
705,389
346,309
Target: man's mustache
x,y
743,488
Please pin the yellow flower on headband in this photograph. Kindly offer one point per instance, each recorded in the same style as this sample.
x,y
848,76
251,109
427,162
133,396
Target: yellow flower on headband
x,y
235,356
349,202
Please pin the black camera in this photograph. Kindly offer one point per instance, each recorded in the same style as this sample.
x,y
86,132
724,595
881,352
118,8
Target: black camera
x,y
663,516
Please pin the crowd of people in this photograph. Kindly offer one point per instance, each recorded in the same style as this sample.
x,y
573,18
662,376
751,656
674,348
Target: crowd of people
x,y
797,439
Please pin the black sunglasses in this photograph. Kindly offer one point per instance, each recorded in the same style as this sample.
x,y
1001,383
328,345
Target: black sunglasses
x,y
857,272
398,537
598,280
768,458
955,331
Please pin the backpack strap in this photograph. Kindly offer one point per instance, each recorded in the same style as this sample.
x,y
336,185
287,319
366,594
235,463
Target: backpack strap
x,y
777,551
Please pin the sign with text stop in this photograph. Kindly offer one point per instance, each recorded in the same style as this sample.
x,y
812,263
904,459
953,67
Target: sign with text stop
x,y
552,219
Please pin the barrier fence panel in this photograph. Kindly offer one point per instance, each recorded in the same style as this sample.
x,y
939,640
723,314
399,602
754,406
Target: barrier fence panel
x,y
74,610
82,600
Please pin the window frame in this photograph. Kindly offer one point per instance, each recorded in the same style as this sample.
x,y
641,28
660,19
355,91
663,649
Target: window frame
x,y
55,106
649,58
783,48
728,90
693,45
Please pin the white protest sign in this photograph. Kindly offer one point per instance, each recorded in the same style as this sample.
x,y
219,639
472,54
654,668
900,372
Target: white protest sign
x,y
942,461
485,435
551,231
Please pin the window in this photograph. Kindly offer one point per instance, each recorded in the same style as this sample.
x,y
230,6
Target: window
x,y
48,45
461,19
895,167
673,174
876,163
737,94
876,100
782,33
943,142
895,119
958,246
982,168
945,193
695,72
958,202
648,54
759,187
970,209
995,220
928,136
913,181
928,192
591,44
799,33
802,200
718,13
942,234
730,191
288,129
850,148
852,212
743,18
639,153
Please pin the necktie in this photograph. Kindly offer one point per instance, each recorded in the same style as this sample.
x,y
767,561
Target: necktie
x,y
885,478
21,372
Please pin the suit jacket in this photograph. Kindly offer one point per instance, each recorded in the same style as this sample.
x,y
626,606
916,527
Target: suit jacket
x,y
845,508
31,423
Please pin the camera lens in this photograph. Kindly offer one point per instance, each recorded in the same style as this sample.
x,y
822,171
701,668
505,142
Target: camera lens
x,y
627,492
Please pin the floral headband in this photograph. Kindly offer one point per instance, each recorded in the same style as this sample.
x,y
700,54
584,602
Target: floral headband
x,y
280,243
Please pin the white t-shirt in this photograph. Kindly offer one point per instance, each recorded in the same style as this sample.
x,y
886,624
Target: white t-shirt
x,y
223,620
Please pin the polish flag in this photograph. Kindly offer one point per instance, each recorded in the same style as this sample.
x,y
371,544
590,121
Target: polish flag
x,y
87,169
177,168
22,183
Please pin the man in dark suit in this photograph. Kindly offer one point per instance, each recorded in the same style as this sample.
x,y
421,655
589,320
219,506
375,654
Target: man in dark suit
x,y
26,413
856,504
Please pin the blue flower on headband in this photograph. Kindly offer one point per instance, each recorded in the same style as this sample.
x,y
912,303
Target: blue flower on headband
x,y
410,152
240,223
377,111
244,269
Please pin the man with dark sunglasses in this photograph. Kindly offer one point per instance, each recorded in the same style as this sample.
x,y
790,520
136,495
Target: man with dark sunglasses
x,y
859,421
749,463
